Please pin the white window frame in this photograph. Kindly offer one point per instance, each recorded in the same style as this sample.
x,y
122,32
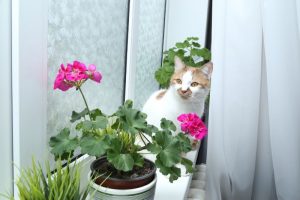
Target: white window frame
x,y
6,98
29,81
29,73
131,55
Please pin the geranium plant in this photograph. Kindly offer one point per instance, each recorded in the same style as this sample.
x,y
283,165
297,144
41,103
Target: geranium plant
x,y
114,136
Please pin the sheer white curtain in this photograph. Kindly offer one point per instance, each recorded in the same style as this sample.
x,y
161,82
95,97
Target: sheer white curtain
x,y
254,130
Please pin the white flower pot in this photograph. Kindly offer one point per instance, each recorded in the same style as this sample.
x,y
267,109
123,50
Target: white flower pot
x,y
145,192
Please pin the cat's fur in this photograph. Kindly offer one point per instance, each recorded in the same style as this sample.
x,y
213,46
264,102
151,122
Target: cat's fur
x,y
188,90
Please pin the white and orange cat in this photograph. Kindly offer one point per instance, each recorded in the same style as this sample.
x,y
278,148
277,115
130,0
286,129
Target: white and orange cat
x,y
189,87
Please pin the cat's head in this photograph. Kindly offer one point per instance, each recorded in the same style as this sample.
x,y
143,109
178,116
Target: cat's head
x,y
191,83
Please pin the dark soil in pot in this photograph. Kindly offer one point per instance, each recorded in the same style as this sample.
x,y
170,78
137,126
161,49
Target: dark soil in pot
x,y
138,177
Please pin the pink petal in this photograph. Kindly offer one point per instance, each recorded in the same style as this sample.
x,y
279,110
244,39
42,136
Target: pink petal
x,y
92,68
69,68
182,117
58,80
96,76
64,86
70,77
78,65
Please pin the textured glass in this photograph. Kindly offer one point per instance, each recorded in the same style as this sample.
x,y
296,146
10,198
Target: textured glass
x,y
94,32
149,52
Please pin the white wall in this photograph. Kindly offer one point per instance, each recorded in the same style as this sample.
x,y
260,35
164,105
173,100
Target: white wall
x,y
5,98
185,19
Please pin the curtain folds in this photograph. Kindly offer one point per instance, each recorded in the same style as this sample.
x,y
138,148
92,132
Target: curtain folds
x,y
254,131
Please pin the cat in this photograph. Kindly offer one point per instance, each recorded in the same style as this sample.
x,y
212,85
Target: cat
x,y
189,87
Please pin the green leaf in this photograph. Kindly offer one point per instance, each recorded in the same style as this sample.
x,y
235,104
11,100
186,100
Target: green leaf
x,y
163,75
194,52
186,44
101,122
112,120
95,113
154,148
171,55
128,104
62,143
163,169
163,138
188,165
123,162
170,155
204,53
173,171
116,145
131,120
79,126
180,45
138,159
167,124
93,146
87,125
180,53
196,44
175,174
77,116
150,130
192,38
184,143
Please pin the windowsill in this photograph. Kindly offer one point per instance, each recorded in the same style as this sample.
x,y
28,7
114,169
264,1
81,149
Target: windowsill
x,y
164,189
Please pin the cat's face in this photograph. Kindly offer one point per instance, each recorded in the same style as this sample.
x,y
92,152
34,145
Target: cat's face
x,y
191,83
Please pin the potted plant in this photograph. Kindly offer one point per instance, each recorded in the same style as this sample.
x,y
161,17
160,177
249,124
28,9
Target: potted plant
x,y
113,140
189,51
33,183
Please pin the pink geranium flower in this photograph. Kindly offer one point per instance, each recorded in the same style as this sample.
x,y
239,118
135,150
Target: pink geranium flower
x,y
94,75
192,125
75,75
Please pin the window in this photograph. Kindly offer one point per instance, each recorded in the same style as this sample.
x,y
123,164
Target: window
x,y
95,33
123,38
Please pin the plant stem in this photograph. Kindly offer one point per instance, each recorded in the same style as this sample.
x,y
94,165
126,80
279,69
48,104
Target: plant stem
x,y
142,148
145,137
142,139
145,153
87,107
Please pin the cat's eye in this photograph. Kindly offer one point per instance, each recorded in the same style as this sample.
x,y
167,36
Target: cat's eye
x,y
194,84
178,81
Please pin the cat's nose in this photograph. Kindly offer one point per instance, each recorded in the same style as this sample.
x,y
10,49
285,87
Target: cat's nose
x,y
184,91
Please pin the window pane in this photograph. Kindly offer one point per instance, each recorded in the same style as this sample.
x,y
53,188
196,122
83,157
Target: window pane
x,y
93,32
149,51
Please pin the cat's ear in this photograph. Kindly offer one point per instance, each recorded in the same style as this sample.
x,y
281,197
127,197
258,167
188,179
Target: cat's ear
x,y
178,63
207,69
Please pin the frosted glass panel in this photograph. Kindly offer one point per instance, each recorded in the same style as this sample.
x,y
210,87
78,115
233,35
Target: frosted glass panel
x,y
149,52
93,32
